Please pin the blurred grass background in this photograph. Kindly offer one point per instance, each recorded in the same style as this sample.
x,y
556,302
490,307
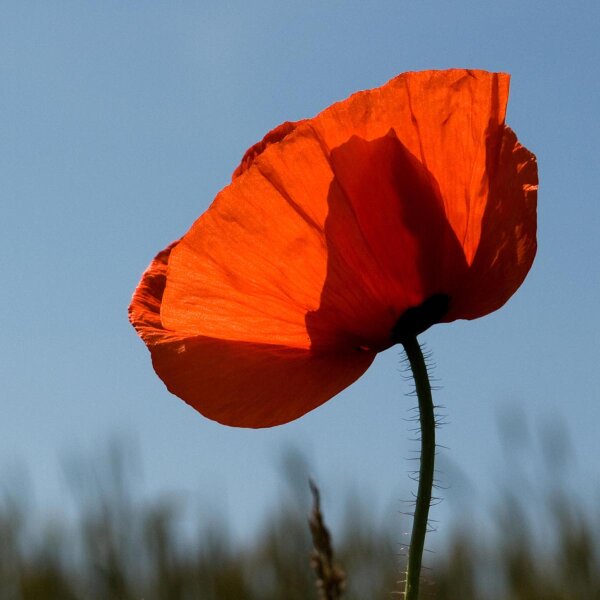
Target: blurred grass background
x,y
541,545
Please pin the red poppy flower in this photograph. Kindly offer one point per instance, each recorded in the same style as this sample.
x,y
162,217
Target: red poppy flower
x,y
400,207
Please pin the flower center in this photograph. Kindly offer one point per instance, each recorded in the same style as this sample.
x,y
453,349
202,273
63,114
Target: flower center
x,y
417,319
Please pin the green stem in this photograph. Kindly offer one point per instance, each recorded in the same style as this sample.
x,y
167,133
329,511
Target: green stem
x,y
427,421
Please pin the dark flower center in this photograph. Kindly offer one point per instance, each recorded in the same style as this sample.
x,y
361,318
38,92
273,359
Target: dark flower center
x,y
417,319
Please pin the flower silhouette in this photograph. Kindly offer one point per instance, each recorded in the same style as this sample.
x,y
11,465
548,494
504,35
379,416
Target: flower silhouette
x,y
339,236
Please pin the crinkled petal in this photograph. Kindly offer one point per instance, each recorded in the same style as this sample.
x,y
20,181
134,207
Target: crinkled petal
x,y
389,244
254,264
330,231
306,230
274,136
449,120
508,234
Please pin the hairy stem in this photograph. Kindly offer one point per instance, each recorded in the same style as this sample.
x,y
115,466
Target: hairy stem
x,y
427,422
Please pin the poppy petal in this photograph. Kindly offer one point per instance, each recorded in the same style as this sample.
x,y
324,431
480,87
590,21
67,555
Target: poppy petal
x,y
318,245
238,383
274,136
314,248
254,264
389,244
337,236
254,385
446,119
508,234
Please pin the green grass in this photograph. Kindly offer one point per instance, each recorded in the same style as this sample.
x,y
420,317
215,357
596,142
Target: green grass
x,y
123,549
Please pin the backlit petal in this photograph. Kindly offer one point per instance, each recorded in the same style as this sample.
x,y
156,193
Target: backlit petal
x,y
337,236
238,383
447,120
508,234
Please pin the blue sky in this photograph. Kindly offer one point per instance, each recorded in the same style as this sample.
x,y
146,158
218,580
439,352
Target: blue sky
x,y
120,121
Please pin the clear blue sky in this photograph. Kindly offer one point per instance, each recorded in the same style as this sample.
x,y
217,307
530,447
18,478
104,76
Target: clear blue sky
x,y
120,121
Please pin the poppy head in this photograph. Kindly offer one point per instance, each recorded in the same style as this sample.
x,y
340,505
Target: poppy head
x,y
339,236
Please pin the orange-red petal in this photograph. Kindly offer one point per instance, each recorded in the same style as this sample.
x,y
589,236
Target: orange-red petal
x,y
447,119
333,227
274,136
507,244
238,383
317,249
